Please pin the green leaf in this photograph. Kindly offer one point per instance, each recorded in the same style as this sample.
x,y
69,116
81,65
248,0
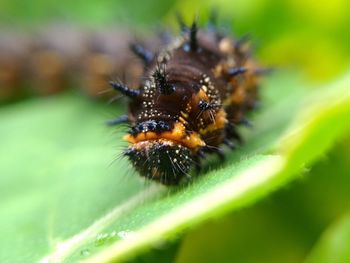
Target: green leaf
x,y
281,228
334,244
63,202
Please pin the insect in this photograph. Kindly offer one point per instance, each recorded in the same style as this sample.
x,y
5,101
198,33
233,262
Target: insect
x,y
193,95
51,59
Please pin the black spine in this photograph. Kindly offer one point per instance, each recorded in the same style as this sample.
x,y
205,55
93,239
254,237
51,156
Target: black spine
x,y
118,120
236,71
145,55
193,36
125,90
204,105
161,81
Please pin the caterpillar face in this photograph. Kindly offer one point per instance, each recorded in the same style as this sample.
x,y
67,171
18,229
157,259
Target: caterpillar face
x,y
162,160
193,95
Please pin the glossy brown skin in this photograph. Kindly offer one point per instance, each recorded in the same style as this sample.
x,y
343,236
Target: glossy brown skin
x,y
205,103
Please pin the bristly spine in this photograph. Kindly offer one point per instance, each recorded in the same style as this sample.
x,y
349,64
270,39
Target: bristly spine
x,y
160,79
125,90
193,36
118,120
236,71
145,55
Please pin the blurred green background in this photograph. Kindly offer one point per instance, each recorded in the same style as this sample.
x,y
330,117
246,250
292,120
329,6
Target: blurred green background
x,y
308,36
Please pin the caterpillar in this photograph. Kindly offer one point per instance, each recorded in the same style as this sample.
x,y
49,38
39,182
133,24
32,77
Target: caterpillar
x,y
52,59
193,94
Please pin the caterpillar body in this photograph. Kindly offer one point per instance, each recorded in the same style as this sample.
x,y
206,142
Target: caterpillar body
x,y
193,95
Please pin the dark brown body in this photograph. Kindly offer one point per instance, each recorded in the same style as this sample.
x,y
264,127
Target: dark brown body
x,y
194,94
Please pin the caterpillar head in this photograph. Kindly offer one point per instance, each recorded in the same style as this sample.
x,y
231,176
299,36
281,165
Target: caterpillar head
x,y
162,160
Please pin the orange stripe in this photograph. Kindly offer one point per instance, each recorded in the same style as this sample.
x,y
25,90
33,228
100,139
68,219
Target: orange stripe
x,y
177,134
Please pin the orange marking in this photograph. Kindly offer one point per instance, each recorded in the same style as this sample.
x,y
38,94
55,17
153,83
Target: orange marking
x,y
220,122
177,134
201,95
237,97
